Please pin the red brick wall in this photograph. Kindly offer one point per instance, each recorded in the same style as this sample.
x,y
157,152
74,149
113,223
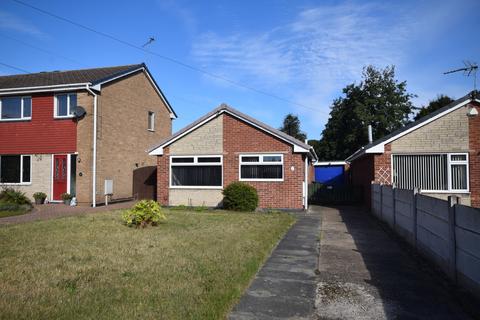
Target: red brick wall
x,y
361,173
474,146
42,134
239,137
383,166
162,177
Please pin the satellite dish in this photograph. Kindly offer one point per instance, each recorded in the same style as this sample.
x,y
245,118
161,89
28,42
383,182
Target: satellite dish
x,y
79,112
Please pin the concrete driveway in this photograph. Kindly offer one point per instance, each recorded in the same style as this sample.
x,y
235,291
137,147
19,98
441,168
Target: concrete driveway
x,y
366,273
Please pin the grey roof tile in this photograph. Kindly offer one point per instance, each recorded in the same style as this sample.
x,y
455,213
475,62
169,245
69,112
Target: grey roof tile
x,y
93,76
235,112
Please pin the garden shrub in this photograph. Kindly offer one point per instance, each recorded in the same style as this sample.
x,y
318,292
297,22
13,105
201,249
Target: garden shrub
x,y
240,196
144,213
39,195
12,196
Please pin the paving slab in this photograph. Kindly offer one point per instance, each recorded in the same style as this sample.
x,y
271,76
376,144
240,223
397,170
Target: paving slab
x,y
285,286
365,272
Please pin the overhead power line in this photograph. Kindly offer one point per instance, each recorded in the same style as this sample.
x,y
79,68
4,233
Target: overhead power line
x,y
164,57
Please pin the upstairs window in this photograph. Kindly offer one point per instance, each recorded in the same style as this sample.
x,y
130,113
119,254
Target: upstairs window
x,y
15,169
65,105
151,121
261,167
199,172
16,108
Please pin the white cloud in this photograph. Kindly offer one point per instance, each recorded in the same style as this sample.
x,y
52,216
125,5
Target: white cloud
x,y
315,54
323,48
12,22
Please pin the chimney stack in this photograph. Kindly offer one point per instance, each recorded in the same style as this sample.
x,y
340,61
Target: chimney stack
x,y
370,135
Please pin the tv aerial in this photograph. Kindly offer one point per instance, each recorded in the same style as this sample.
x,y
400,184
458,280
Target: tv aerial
x,y
469,69
150,40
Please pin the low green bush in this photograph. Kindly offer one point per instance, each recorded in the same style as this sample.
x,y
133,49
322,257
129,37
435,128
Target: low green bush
x,y
12,196
144,213
239,196
5,206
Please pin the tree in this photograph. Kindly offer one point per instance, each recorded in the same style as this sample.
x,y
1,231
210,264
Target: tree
x,y
291,126
378,100
440,102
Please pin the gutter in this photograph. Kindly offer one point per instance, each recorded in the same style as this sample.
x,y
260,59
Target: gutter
x,y
94,161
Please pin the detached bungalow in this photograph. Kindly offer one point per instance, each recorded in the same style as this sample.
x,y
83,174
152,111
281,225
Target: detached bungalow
x,y
439,153
224,146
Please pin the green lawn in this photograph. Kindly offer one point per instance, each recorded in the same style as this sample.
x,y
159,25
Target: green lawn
x,y
195,266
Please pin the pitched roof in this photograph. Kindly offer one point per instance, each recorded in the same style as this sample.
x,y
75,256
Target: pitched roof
x,y
473,95
40,79
224,108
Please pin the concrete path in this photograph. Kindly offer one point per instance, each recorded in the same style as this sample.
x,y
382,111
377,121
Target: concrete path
x,y
57,210
366,273
285,286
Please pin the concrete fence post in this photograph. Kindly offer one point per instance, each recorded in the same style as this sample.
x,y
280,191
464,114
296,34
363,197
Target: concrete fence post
x,y
381,202
452,201
394,194
414,216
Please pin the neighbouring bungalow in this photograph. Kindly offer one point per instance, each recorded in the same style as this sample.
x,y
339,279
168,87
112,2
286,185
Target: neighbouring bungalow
x,y
223,146
439,154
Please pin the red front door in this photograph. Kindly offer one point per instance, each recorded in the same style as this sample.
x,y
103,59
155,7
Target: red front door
x,y
59,176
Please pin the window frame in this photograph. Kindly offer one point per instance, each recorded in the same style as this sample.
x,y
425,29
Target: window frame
x,y
261,162
450,162
55,105
22,117
21,183
195,163
152,114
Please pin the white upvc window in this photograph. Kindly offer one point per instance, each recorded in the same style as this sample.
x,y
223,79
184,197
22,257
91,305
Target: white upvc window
x,y
439,172
15,108
65,105
261,167
151,121
196,172
15,169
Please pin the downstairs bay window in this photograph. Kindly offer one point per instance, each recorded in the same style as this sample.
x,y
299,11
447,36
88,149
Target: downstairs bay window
x,y
261,167
200,172
446,172
15,169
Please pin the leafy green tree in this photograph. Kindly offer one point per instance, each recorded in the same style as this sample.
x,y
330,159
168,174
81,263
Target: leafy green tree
x,y
379,100
439,102
291,126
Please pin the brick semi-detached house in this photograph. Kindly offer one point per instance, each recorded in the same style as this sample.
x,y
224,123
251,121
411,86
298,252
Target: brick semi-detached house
x,y
70,131
439,154
225,145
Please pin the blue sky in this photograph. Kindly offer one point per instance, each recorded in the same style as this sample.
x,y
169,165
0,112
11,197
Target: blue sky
x,y
302,51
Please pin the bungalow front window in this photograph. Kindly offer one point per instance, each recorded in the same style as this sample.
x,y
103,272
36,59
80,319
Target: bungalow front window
x,y
16,108
15,168
261,167
196,171
431,172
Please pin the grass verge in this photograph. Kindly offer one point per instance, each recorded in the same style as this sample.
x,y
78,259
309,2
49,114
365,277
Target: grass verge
x,y
196,266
